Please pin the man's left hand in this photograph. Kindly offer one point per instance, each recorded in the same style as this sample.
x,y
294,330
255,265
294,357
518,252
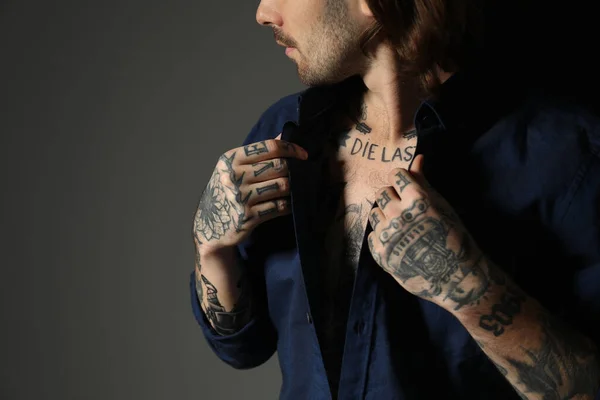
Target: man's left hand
x,y
422,243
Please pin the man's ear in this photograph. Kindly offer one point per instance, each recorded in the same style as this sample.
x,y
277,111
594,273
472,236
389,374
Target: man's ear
x,y
364,8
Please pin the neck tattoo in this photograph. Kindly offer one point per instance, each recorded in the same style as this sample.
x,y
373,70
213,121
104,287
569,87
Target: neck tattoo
x,y
374,152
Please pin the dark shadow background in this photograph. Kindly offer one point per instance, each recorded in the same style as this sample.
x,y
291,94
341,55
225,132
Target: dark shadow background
x,y
112,116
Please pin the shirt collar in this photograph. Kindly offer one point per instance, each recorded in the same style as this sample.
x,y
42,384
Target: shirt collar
x,y
470,102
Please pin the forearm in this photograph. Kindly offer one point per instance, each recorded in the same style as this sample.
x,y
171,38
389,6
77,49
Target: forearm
x,y
538,354
223,289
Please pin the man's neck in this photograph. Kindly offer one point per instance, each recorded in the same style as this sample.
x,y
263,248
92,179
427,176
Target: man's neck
x,y
390,102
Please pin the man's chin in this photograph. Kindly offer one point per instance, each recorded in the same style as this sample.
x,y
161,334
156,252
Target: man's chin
x,y
313,80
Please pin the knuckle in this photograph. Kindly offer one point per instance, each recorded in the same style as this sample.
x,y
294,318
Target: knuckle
x,y
280,164
414,192
392,174
271,145
284,185
371,240
282,205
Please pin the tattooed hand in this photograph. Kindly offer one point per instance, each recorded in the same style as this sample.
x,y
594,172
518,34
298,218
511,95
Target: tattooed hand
x,y
420,241
248,186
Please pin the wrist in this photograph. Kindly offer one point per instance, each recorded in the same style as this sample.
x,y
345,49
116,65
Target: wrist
x,y
501,296
475,284
213,249
217,258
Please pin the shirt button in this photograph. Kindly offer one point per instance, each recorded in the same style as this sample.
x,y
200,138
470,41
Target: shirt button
x,y
359,327
308,318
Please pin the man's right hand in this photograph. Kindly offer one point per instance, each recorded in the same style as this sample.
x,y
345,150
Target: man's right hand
x,y
249,186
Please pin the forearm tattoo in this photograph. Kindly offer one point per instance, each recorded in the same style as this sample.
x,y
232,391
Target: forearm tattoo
x,y
503,313
225,322
564,365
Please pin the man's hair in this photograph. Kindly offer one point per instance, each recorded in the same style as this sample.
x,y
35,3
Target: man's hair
x,y
429,34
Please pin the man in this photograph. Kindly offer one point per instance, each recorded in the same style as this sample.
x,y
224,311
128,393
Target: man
x,y
390,248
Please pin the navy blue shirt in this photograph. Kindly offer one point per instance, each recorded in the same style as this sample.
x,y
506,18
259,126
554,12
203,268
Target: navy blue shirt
x,y
523,173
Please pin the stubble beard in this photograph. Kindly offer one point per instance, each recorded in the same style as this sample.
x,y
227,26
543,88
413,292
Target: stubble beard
x,y
332,51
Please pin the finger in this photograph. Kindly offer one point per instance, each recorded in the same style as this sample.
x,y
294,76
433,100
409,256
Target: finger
x,y
265,170
385,199
269,149
401,179
376,217
271,209
264,191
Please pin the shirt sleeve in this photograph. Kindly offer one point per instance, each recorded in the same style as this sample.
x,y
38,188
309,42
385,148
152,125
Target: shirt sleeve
x,y
251,346
579,232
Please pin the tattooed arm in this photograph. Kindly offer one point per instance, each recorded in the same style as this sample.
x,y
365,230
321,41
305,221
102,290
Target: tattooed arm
x,y
248,187
541,356
421,242
223,291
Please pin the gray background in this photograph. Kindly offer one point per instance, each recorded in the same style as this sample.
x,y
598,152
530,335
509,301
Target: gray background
x,y
112,116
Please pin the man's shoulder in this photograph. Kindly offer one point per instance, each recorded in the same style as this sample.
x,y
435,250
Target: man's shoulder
x,y
551,129
554,118
271,121
545,145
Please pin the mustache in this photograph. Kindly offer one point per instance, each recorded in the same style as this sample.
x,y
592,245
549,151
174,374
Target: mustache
x,y
283,39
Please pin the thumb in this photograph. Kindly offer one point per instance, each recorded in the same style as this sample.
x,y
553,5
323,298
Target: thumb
x,y
416,170
416,167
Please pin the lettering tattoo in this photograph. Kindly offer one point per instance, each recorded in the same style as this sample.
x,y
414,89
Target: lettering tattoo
x,y
383,201
565,365
256,149
269,211
503,313
226,322
402,181
265,166
375,152
264,189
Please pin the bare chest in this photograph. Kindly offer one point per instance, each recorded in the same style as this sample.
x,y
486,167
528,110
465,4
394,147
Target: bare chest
x,y
357,180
